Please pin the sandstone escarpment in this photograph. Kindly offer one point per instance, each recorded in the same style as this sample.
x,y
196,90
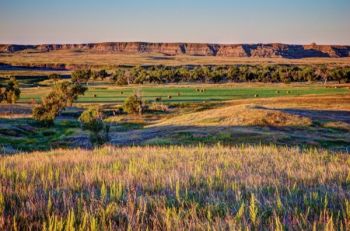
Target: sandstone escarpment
x,y
194,49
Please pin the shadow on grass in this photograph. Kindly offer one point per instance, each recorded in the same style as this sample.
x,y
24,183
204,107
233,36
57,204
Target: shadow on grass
x,y
315,115
27,135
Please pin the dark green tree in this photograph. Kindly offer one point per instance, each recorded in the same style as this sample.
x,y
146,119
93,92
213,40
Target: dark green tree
x,y
61,96
92,120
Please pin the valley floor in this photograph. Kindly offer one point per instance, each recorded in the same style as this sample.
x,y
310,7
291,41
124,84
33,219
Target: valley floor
x,y
275,160
321,121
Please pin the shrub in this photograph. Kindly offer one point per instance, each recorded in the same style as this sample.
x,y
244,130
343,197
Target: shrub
x,y
91,120
134,105
11,93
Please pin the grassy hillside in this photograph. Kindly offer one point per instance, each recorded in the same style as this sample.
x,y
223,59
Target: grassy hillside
x,y
309,120
260,187
316,121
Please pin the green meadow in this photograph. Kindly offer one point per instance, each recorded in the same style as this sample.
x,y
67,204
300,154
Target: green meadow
x,y
186,93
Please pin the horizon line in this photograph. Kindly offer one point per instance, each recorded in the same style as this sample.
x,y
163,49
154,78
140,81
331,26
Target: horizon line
x,y
152,42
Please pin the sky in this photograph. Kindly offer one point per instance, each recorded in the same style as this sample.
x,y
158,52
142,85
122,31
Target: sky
x,y
203,21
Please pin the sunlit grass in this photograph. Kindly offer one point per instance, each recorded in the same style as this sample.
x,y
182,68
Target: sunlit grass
x,y
135,188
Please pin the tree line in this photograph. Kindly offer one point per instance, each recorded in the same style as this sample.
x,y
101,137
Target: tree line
x,y
219,74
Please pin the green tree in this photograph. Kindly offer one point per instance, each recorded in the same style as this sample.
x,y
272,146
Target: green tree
x,y
49,108
338,74
54,77
308,74
285,75
322,72
182,74
134,105
101,74
347,75
70,91
233,73
11,91
61,96
119,77
81,76
91,120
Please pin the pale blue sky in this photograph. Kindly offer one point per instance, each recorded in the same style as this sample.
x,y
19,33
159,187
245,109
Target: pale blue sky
x,y
215,21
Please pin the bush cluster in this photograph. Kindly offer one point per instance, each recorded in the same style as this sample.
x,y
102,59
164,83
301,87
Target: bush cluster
x,y
91,120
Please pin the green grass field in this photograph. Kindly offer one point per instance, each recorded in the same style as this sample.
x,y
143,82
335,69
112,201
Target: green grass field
x,y
184,99
187,93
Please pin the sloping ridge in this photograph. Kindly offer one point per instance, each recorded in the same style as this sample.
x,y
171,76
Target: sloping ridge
x,y
271,50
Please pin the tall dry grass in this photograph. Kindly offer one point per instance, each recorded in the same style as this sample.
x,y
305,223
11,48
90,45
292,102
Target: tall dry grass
x,y
176,188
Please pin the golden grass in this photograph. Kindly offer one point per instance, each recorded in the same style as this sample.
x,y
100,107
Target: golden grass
x,y
33,73
268,111
241,115
176,188
337,125
322,102
71,58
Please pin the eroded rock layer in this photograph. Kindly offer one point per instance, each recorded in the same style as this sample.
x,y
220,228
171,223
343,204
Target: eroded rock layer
x,y
194,49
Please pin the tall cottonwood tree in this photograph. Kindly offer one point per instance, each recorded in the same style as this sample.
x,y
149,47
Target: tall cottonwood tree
x,y
61,96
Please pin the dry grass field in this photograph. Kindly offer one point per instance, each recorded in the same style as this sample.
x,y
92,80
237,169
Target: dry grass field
x,y
176,188
316,121
73,59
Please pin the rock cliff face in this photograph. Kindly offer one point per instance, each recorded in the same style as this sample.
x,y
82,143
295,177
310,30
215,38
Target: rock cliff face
x,y
194,49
